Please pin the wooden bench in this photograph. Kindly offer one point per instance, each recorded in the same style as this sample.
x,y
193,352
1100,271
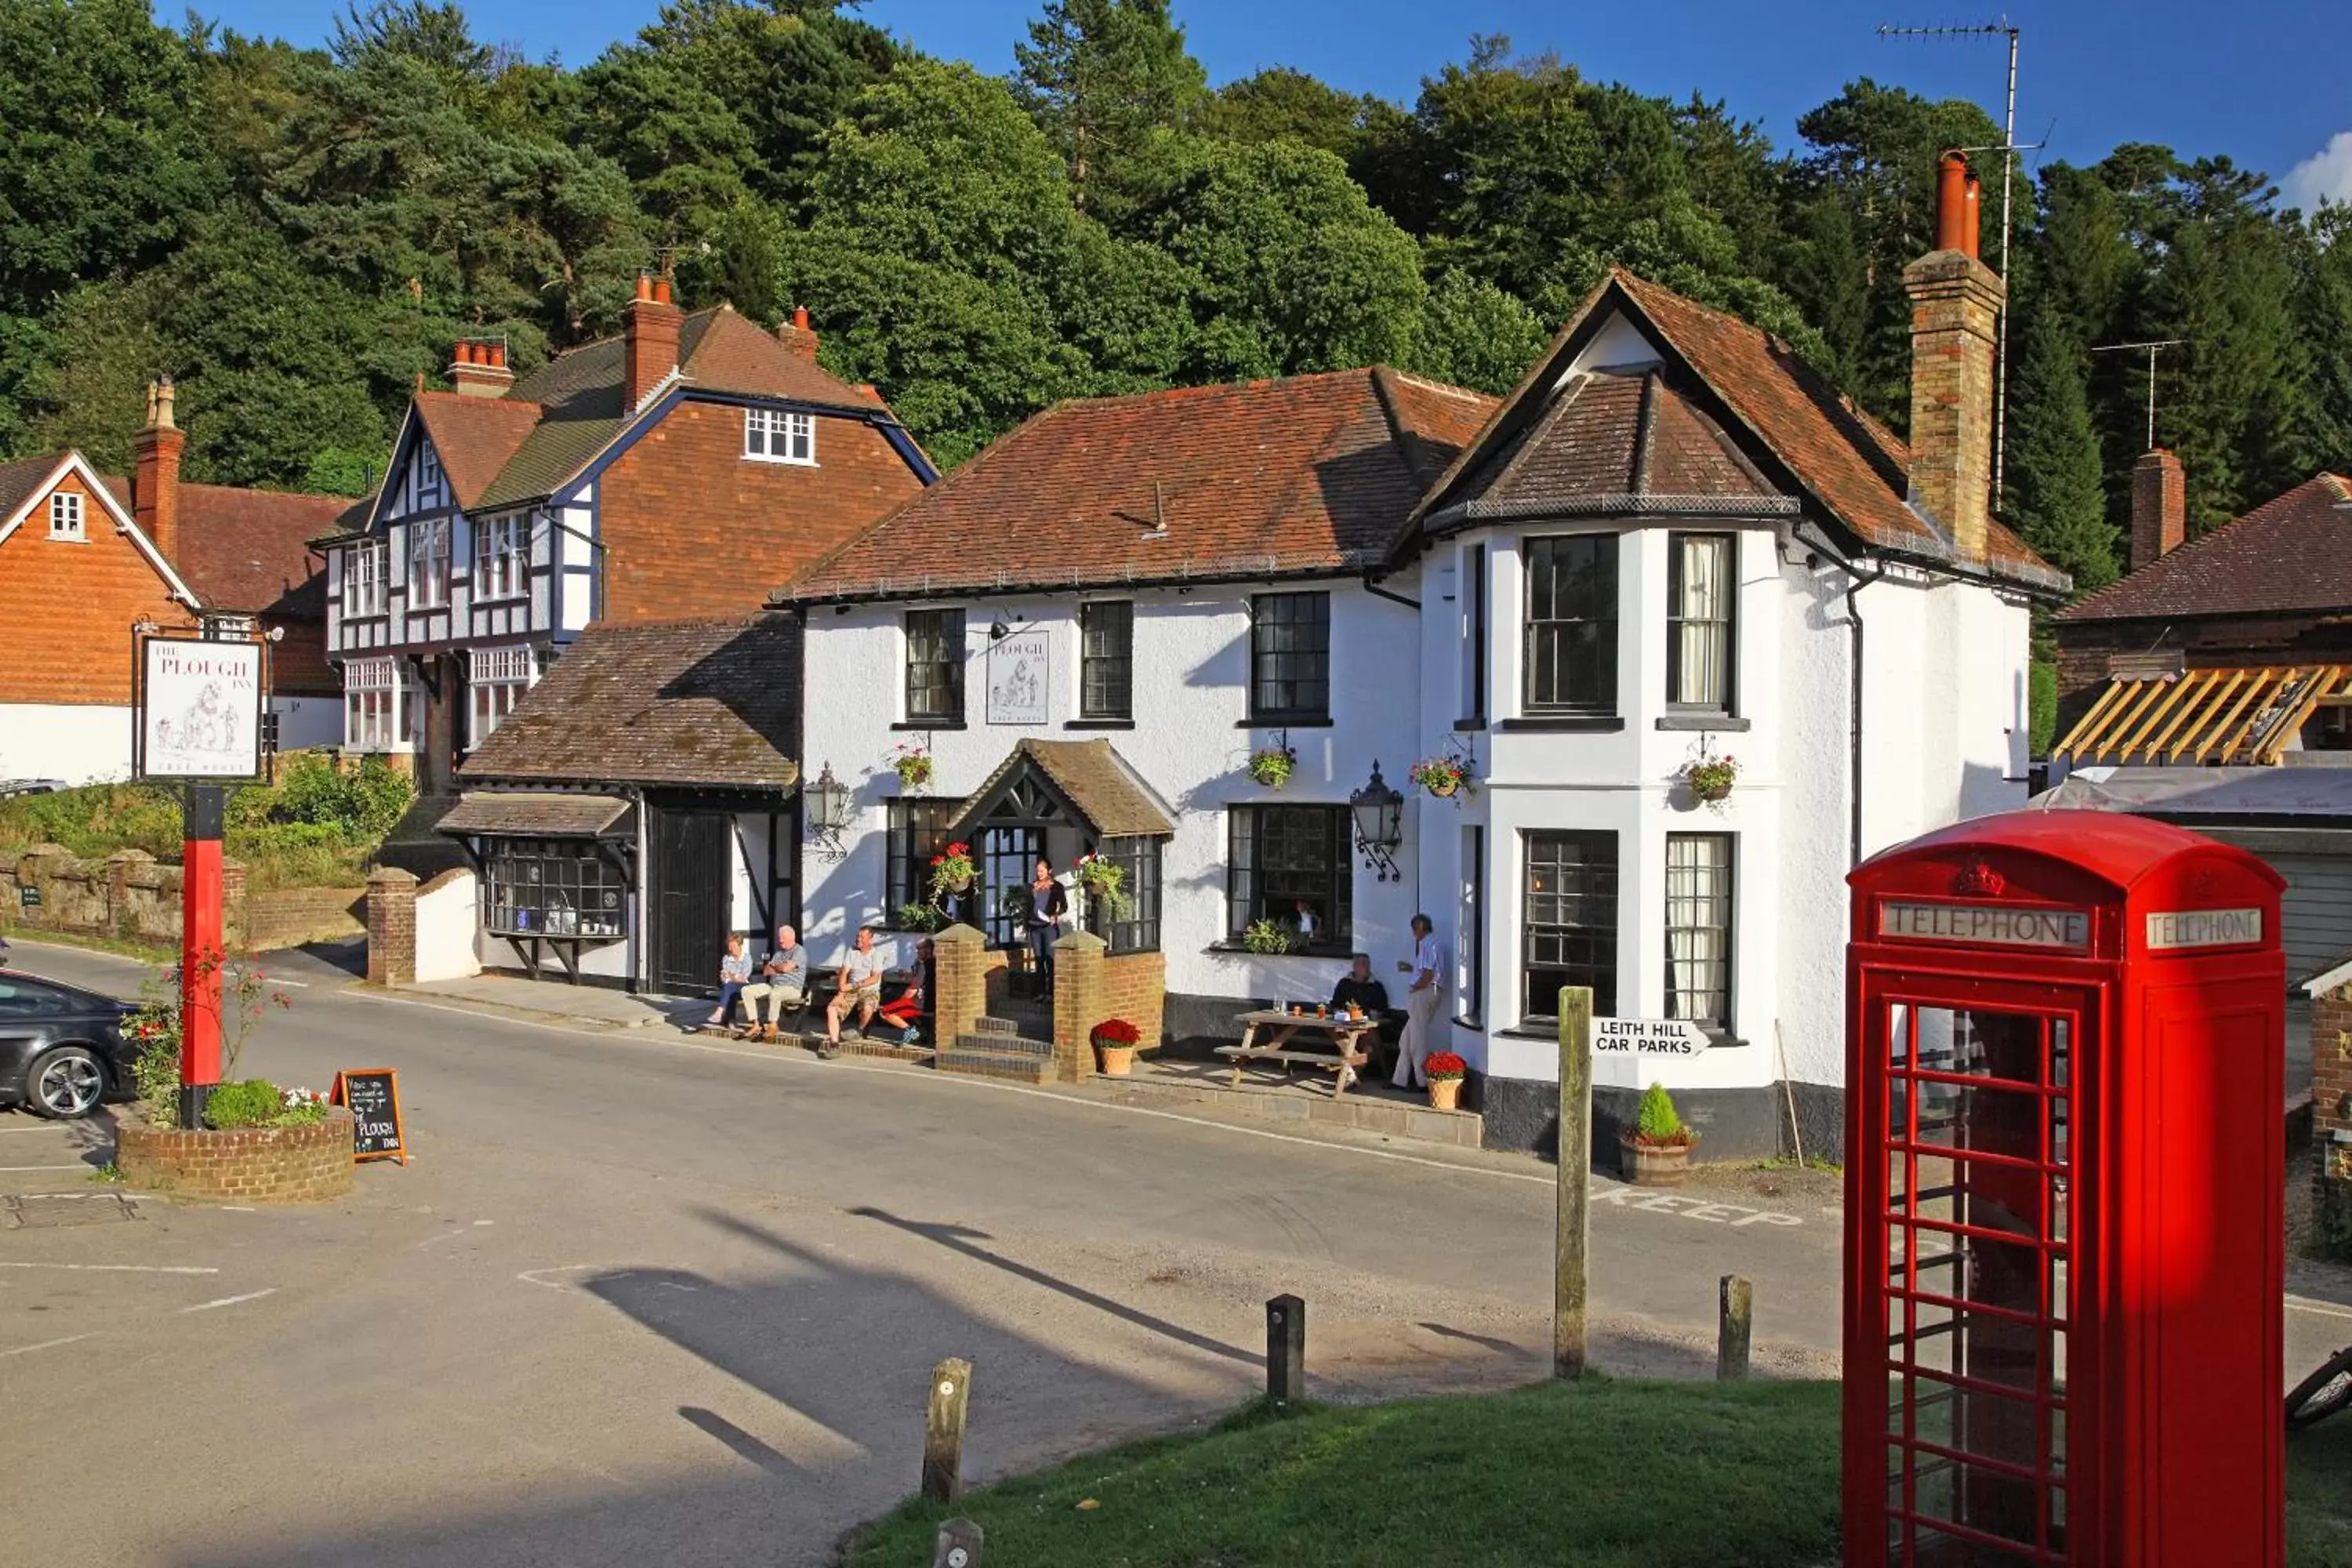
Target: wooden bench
x,y
1346,1036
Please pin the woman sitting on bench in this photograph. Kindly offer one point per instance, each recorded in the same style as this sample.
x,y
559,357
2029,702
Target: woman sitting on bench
x,y
913,1001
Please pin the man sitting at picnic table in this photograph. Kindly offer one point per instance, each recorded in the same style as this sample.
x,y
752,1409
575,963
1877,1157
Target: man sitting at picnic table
x,y
1359,987
858,985
782,987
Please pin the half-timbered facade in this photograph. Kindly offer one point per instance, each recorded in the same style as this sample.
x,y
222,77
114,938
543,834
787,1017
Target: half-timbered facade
x,y
681,469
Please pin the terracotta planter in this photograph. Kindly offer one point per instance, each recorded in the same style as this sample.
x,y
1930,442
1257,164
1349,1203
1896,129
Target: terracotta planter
x,y
1118,1061
1711,792
1445,1093
1654,1165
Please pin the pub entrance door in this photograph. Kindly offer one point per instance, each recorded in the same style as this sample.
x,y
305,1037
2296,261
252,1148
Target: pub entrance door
x,y
692,900
1008,858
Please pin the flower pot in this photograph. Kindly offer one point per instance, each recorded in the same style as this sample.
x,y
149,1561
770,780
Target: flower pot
x,y
961,884
1711,791
1654,1164
1445,1093
1118,1061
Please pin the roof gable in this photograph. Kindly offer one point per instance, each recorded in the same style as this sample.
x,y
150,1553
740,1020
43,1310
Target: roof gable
x,y
1085,782
474,438
29,481
1309,474
2291,552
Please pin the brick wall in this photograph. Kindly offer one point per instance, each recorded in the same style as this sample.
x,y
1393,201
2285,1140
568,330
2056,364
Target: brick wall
x,y
1135,987
392,927
298,663
693,528
292,916
250,1165
2331,1065
66,608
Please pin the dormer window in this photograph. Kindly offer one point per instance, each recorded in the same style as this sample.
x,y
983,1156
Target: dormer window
x,y
65,517
775,435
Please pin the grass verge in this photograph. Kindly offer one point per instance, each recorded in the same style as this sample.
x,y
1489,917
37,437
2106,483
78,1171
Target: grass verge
x,y
1601,1474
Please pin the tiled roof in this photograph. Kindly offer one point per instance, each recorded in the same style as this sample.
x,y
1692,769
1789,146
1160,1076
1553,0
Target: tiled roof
x,y
2292,552
1849,462
1310,473
20,479
1090,775
475,438
710,702
244,550
534,814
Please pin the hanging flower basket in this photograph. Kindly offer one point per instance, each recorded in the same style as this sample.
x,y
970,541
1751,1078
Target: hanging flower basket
x,y
1443,777
1711,778
1445,1072
1105,883
953,870
912,764
1273,765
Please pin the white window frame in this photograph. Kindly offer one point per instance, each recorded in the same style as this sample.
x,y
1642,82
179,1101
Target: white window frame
x,y
379,707
780,436
496,679
428,564
502,559
66,518
365,567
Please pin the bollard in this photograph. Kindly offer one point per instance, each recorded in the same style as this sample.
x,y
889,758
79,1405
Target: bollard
x,y
1573,1218
959,1545
943,1430
1285,1349
1731,1329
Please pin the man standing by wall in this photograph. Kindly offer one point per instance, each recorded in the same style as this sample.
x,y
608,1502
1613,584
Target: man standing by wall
x,y
1422,996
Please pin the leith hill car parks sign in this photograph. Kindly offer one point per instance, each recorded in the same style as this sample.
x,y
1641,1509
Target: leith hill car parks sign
x,y
1648,1037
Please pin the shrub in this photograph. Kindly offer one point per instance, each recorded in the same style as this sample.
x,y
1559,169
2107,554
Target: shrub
x,y
251,1103
1265,936
1658,1122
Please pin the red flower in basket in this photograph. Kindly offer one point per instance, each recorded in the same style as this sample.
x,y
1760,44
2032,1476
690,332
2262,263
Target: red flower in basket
x,y
1443,1065
1116,1032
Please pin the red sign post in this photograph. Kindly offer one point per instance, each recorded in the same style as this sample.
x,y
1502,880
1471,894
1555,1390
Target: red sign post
x,y
2064,1254
202,955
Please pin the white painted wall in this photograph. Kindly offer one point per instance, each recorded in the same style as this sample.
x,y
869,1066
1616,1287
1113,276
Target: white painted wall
x,y
76,744
447,918
1191,741
307,721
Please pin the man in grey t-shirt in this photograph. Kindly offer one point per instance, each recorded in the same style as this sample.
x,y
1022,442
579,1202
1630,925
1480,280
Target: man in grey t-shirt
x,y
860,986
782,985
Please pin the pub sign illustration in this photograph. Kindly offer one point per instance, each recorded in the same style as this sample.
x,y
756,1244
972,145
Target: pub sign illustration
x,y
2063,1247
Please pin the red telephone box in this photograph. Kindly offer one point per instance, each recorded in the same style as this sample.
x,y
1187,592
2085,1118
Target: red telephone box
x,y
2065,1131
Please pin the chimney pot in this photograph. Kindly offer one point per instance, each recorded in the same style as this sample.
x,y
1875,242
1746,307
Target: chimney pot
x,y
499,355
479,369
1951,197
1972,214
661,290
801,317
2159,507
648,340
1956,301
645,286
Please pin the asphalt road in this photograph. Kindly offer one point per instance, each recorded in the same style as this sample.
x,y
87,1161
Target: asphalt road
x,y
644,1300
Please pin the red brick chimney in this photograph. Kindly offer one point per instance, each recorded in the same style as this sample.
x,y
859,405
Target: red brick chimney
x,y
1956,302
478,367
2159,507
155,478
797,334
649,340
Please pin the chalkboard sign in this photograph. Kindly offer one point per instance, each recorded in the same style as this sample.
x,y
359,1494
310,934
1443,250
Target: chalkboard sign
x,y
373,1096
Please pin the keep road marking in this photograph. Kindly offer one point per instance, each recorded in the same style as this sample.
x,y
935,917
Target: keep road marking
x,y
1735,1215
48,1345
228,1302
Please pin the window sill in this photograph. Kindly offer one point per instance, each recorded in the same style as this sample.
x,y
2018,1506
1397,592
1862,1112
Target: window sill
x,y
931,724
1259,721
1098,724
1462,1023
787,462
1468,726
1703,721
1323,951
1565,724
69,539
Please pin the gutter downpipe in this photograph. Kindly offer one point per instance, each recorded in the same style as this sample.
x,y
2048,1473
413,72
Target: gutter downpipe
x,y
640,965
1372,586
1856,581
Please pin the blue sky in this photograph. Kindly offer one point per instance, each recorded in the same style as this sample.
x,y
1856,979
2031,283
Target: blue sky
x,y
2260,81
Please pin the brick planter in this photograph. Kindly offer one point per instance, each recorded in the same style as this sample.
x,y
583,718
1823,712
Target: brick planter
x,y
251,1165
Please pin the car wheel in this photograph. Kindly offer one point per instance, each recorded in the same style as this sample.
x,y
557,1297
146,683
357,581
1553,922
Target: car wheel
x,y
65,1083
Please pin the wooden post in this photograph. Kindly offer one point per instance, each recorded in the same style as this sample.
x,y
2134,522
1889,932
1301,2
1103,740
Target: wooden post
x,y
1285,1349
1731,1331
943,1430
1572,1217
959,1545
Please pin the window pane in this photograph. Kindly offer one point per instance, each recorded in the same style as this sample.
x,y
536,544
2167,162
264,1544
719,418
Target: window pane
x,y
1290,656
1698,926
1700,595
935,665
1106,661
1292,865
1571,634
1570,937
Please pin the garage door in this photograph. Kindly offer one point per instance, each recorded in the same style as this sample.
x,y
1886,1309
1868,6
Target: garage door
x,y
2316,915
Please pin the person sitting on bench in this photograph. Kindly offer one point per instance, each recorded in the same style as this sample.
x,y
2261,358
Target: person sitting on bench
x,y
734,973
858,986
781,988
913,1001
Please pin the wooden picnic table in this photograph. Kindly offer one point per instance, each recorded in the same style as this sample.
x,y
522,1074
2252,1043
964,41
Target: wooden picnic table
x,y
1344,1035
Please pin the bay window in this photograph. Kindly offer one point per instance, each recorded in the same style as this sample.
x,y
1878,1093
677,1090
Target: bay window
x,y
1571,923
497,676
1701,590
501,558
379,713
1571,626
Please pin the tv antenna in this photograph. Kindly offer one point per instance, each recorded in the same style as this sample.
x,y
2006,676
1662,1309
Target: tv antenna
x,y
2153,350
2003,28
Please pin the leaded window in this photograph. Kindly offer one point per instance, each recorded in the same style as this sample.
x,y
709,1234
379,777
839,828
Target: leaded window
x,y
1572,633
428,563
918,830
1290,657
552,887
496,679
364,570
379,710
935,667
1292,865
1701,590
775,436
1137,930
1698,927
501,558
65,517
1570,921
1106,661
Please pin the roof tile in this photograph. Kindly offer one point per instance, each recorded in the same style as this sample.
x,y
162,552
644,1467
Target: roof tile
x,y
2291,552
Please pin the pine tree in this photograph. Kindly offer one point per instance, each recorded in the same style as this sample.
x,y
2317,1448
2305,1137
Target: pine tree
x,y
1102,78
2056,499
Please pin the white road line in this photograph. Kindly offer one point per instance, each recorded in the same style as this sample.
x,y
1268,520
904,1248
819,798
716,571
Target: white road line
x,y
18,1168
2317,1309
111,1267
532,1275
297,985
44,1127
48,1345
228,1302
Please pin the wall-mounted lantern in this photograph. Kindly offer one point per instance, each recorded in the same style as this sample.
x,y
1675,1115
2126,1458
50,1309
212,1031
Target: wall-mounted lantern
x,y
1380,825
829,810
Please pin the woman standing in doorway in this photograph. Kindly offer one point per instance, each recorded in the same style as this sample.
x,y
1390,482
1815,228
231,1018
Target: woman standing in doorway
x,y
1048,905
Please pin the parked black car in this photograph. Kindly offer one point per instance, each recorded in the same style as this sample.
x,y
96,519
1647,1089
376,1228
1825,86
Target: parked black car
x,y
62,1049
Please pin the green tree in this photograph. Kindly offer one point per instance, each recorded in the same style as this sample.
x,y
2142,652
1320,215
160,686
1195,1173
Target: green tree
x,y
2056,498
1474,335
1105,81
1280,103
2325,306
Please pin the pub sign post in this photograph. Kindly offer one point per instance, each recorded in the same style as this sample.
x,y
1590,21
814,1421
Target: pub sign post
x,y
2064,1250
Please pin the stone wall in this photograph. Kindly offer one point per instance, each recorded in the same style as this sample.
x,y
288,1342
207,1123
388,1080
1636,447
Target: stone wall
x,y
250,1165
131,896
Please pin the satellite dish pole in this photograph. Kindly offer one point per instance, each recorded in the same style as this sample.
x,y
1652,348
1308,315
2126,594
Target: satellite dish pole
x,y
2009,150
2153,350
